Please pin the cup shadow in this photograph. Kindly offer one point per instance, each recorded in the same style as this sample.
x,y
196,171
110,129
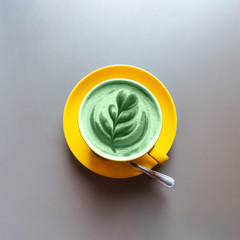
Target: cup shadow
x,y
168,165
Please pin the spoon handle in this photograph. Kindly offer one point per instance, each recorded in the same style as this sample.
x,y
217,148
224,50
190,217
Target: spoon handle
x,y
164,179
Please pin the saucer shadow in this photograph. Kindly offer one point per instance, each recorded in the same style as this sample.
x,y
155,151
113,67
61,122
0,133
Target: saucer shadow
x,y
139,198
113,187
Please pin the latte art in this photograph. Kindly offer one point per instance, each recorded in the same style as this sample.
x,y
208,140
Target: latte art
x,y
120,119
123,131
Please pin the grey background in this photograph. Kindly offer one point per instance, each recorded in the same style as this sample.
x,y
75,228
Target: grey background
x,y
47,46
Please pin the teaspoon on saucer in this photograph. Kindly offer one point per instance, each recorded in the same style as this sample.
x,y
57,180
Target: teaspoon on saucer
x,y
164,179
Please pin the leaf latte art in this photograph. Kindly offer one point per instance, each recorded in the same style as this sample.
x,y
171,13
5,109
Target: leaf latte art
x,y
120,119
114,134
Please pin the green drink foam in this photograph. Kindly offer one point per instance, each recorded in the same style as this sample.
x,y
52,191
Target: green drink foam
x,y
120,119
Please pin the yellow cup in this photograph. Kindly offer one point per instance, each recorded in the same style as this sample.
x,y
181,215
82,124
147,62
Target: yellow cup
x,y
97,130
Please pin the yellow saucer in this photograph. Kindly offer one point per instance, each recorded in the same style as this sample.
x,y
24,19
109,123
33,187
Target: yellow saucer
x,y
75,141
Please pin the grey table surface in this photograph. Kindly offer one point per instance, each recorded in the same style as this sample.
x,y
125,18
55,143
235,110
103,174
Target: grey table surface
x,y
47,47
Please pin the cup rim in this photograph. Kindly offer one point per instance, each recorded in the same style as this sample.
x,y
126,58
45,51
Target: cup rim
x,y
108,156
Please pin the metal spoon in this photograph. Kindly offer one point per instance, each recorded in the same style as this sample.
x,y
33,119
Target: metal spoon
x,y
164,179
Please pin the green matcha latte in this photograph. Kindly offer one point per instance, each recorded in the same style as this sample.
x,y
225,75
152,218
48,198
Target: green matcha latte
x,y
120,119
